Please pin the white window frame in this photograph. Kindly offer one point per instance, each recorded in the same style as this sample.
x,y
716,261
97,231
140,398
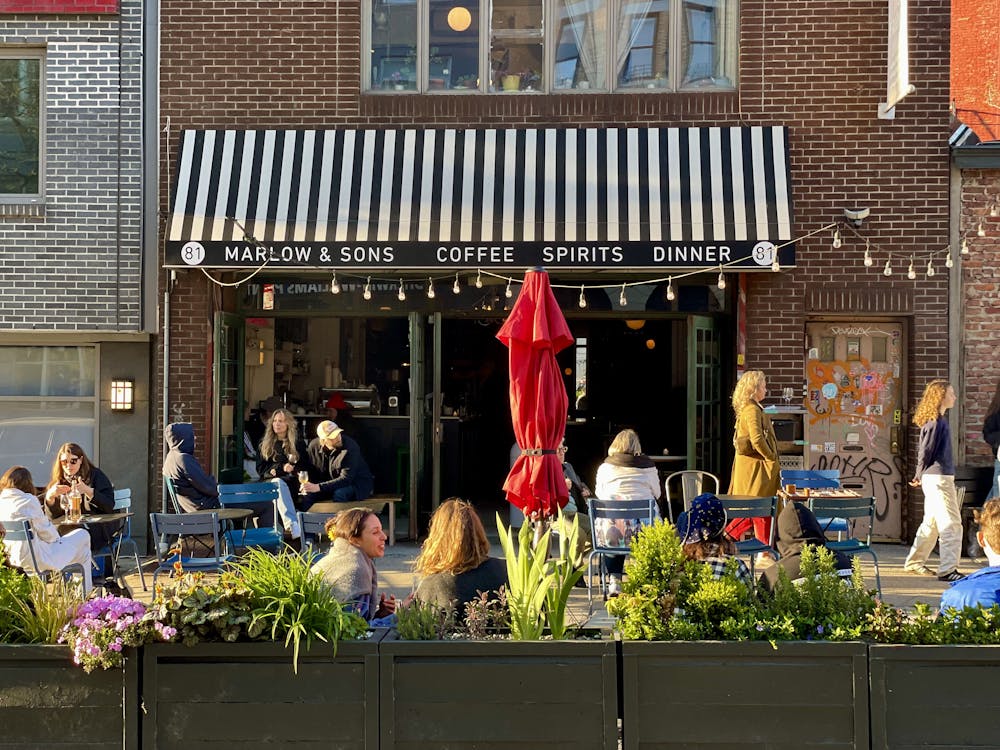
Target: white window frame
x,y
728,41
29,53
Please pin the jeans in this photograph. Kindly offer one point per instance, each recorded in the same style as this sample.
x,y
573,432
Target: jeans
x,y
286,509
941,518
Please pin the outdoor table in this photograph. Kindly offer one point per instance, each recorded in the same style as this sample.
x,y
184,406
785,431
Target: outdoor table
x,y
227,517
88,520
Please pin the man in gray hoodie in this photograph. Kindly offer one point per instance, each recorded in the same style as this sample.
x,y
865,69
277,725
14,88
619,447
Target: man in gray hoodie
x,y
196,489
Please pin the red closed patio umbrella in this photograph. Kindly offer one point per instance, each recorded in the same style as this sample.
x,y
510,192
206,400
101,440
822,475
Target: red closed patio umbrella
x,y
535,331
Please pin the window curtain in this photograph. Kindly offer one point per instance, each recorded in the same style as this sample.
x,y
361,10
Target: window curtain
x,y
587,31
629,27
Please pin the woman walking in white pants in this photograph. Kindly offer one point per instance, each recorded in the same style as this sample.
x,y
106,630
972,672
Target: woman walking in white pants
x,y
935,474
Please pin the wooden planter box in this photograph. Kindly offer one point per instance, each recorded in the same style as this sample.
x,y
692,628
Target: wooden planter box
x,y
556,695
245,695
934,696
712,694
47,701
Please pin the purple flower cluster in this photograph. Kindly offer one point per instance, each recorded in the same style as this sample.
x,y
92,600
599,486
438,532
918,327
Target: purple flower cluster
x,y
104,626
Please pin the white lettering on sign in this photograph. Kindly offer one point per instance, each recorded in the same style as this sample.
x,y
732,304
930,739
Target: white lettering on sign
x,y
476,254
267,254
856,331
367,254
582,254
691,253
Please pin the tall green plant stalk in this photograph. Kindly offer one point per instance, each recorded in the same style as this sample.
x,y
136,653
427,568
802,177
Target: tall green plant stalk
x,y
48,609
528,581
565,573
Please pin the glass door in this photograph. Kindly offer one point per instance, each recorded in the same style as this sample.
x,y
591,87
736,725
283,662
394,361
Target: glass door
x,y
227,398
704,395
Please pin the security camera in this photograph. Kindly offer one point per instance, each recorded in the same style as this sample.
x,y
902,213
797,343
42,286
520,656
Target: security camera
x,y
856,215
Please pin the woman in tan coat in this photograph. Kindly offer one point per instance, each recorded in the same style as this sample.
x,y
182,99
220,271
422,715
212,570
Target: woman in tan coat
x,y
756,470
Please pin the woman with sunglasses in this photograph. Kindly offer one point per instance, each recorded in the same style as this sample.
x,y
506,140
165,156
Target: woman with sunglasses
x,y
72,470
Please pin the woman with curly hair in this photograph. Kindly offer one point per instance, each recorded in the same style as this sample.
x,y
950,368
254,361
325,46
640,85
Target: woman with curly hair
x,y
455,563
756,471
935,474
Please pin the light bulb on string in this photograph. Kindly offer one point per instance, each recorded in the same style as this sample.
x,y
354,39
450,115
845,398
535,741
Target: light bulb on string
x,y
367,293
887,271
479,279
670,289
980,230
965,246
430,289
948,262
334,286
621,298
995,209
775,264
930,267
455,288
868,254
837,242
402,294
911,272
722,279
508,292
583,299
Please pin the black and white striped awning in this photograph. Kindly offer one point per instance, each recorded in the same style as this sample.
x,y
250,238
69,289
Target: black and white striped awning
x,y
581,198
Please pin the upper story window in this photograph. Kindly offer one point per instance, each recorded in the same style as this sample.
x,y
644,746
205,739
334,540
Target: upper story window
x,y
529,46
20,123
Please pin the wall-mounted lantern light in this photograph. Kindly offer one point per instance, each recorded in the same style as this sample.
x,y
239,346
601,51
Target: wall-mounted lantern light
x,y
122,394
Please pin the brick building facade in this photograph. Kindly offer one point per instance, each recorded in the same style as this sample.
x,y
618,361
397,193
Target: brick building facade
x,y
818,68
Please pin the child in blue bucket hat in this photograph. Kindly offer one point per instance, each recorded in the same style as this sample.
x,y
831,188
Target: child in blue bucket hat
x,y
702,531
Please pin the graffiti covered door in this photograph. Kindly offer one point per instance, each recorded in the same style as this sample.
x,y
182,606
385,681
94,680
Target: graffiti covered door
x,y
854,405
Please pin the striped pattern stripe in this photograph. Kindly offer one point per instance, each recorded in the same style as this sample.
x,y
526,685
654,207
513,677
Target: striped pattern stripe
x,y
460,186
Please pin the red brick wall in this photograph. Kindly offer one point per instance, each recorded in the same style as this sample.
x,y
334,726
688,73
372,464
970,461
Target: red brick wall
x,y
817,67
82,7
975,65
980,307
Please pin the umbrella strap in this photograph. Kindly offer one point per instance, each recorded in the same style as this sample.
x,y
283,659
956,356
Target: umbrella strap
x,y
536,451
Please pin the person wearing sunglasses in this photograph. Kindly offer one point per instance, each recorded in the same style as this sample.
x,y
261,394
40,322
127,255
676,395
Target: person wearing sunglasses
x,y
72,470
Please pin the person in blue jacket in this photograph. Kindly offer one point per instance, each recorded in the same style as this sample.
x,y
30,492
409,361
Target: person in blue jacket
x,y
196,489
981,588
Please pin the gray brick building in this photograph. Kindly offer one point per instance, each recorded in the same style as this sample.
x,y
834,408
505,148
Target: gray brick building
x,y
73,318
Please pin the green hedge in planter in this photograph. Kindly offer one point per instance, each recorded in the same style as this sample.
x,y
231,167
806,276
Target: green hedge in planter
x,y
713,694
46,700
246,695
557,695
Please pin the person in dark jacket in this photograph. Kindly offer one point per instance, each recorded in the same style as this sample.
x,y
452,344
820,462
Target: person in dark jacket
x,y
71,470
341,471
196,489
991,434
798,529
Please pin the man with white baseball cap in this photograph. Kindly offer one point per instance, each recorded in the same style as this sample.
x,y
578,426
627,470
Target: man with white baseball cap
x,y
342,472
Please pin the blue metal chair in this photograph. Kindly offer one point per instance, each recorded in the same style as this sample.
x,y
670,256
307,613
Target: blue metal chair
x,y
256,496
172,494
123,502
313,528
818,479
691,483
179,525
754,507
603,514
850,507
21,531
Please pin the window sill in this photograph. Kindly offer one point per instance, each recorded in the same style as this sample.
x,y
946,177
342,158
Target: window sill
x,y
14,209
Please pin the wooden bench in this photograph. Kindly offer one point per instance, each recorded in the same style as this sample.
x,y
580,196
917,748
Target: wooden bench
x,y
376,503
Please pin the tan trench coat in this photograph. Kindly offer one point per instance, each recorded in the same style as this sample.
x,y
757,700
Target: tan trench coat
x,y
756,470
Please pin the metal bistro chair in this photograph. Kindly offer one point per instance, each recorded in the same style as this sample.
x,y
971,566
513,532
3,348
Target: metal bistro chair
x,y
692,483
818,479
608,511
253,497
21,531
123,502
755,507
850,507
172,494
313,528
183,524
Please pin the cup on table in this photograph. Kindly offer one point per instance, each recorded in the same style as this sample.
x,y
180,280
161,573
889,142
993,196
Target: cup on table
x,y
789,489
64,503
303,478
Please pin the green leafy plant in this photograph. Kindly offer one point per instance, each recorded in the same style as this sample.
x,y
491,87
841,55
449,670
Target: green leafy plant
x,y
289,602
528,580
14,590
202,611
48,609
424,621
923,626
487,617
565,572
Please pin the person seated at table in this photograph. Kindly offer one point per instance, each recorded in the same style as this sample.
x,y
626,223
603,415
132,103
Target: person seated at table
x,y
981,588
626,474
337,463
73,470
52,552
348,568
798,529
196,489
454,563
702,531
282,454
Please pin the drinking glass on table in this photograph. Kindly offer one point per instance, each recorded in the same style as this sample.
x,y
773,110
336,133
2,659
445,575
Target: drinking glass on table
x,y
65,504
303,478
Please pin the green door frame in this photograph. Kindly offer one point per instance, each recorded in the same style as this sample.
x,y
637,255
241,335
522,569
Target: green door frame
x,y
227,391
704,394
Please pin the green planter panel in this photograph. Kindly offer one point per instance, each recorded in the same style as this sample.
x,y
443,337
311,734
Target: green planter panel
x,y
734,695
245,696
47,701
934,696
498,695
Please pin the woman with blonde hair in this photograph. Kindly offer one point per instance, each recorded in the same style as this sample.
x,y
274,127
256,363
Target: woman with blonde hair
x,y
281,456
935,474
756,471
455,563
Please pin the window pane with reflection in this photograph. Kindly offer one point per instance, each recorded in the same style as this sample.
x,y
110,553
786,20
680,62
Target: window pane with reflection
x,y
703,32
453,59
643,43
580,59
394,45
19,118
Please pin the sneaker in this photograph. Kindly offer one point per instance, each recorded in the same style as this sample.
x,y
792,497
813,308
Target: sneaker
x,y
919,570
614,586
952,576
